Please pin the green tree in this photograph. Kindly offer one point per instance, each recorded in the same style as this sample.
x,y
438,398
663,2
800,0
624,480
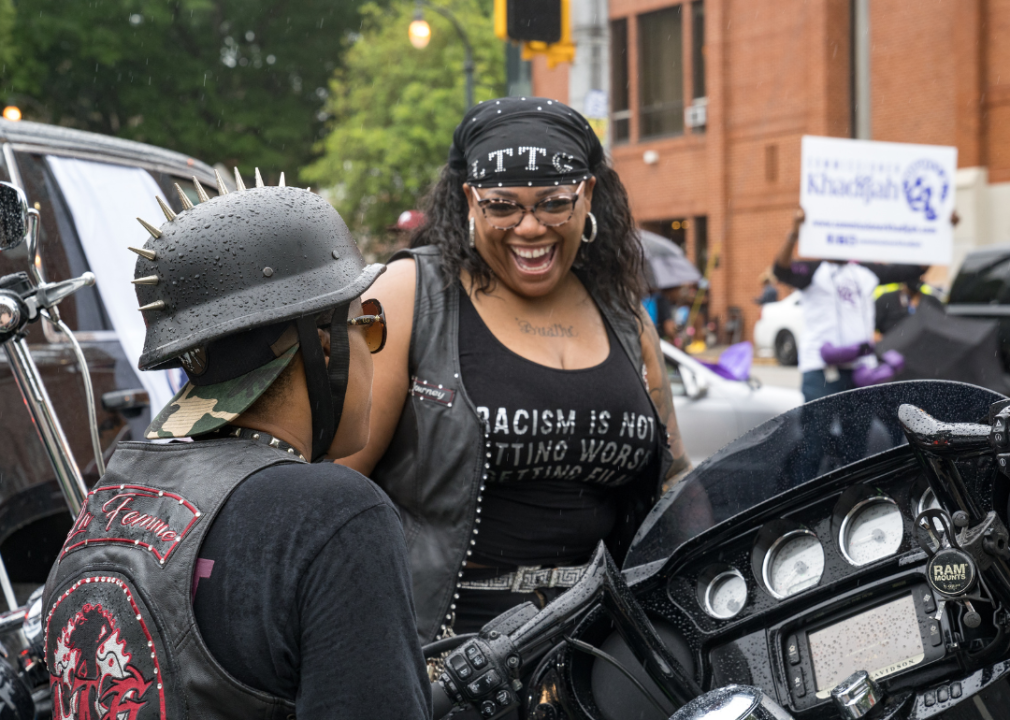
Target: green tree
x,y
237,81
6,33
395,107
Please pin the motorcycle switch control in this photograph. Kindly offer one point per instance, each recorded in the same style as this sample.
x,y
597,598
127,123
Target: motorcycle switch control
x,y
999,436
474,674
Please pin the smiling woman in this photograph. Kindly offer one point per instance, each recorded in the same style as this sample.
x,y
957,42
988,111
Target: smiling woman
x,y
521,411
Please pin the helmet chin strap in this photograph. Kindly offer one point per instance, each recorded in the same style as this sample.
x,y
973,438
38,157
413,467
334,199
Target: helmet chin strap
x,y
326,386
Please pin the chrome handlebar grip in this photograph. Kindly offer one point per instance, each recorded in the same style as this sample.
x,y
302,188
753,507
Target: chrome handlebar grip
x,y
733,702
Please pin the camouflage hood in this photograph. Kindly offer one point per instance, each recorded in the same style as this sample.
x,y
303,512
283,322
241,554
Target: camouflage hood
x,y
197,410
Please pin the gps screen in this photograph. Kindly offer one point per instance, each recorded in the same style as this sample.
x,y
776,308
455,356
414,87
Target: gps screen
x,y
881,641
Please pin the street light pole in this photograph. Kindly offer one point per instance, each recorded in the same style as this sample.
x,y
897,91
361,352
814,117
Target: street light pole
x,y
468,59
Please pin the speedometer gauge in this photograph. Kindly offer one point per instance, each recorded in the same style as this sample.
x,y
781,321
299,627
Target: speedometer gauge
x,y
793,563
872,530
725,594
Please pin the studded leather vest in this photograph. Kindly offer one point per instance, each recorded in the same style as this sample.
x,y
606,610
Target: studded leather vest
x,y
121,637
435,467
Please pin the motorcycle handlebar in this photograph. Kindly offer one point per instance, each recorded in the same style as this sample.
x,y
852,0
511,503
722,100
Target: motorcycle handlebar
x,y
940,438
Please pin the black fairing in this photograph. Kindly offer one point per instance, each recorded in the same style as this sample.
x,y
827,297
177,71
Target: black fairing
x,y
796,448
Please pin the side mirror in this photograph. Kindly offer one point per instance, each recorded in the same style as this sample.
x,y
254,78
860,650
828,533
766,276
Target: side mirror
x,y
733,702
694,387
13,216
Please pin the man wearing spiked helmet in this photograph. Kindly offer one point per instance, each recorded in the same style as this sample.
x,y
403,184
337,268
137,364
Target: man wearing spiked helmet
x,y
230,577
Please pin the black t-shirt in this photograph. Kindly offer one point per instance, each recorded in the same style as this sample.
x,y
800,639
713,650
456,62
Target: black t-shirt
x,y
562,442
309,595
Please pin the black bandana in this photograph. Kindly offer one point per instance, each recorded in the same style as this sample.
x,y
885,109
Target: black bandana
x,y
524,141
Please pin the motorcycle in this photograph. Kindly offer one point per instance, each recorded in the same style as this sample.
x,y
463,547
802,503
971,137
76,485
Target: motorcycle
x,y
26,297
846,559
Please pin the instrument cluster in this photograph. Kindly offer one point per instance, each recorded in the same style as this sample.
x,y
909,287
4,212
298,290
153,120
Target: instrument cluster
x,y
867,524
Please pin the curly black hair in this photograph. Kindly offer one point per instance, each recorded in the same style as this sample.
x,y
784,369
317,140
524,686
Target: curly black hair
x,y
613,263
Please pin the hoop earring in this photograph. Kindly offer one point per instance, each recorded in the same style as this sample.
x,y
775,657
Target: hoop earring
x,y
592,235
472,241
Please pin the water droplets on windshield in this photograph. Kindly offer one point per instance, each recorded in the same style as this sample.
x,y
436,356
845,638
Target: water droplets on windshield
x,y
797,446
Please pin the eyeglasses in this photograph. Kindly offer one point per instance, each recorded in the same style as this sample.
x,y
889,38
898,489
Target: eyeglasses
x,y
551,211
374,322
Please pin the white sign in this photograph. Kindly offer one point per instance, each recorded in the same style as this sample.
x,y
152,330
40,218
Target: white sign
x,y
877,201
596,104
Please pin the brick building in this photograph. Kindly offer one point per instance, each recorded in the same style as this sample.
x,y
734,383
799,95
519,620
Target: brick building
x,y
757,75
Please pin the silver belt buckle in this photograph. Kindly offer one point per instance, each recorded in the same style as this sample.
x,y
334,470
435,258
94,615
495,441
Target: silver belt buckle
x,y
524,580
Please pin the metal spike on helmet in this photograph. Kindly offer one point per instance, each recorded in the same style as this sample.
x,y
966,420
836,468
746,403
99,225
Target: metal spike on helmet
x,y
169,214
200,192
155,232
187,204
144,253
222,189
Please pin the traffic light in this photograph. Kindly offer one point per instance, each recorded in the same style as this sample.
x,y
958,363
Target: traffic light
x,y
543,27
534,20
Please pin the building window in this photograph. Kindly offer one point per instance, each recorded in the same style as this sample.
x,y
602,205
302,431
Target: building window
x,y
661,73
674,229
620,110
698,49
701,244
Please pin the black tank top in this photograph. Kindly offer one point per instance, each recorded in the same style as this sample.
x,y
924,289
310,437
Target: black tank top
x,y
561,441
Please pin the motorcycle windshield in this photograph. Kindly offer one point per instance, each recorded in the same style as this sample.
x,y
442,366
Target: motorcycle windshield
x,y
794,448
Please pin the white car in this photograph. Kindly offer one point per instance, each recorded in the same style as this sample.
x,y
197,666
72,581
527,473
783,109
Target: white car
x,y
712,410
777,333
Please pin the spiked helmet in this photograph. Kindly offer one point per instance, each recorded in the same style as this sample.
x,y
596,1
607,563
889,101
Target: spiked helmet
x,y
239,261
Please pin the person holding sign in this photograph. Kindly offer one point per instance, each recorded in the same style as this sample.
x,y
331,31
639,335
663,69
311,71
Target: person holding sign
x,y
839,315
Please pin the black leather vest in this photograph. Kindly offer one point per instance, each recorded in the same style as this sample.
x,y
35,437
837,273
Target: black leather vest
x,y
434,469
117,611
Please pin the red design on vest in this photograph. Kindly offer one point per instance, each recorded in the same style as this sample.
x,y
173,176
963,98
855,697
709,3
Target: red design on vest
x,y
93,674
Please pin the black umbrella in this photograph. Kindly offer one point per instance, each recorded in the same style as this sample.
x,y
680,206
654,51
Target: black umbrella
x,y
665,263
937,346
